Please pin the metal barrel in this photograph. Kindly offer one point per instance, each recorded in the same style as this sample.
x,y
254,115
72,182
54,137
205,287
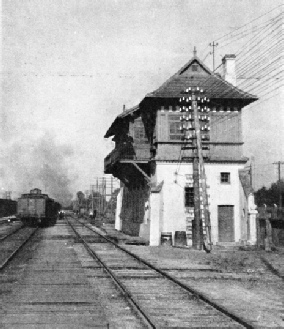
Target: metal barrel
x,y
166,239
180,238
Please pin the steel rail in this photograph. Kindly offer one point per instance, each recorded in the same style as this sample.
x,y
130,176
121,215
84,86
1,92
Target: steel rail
x,y
13,254
129,297
11,233
271,268
247,324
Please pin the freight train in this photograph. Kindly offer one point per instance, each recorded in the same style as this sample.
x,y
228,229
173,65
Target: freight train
x,y
7,207
37,209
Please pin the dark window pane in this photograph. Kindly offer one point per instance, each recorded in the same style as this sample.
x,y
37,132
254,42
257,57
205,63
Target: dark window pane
x,y
139,131
194,67
174,125
225,177
189,197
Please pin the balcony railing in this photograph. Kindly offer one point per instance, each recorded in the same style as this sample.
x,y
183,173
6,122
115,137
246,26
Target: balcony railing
x,y
136,152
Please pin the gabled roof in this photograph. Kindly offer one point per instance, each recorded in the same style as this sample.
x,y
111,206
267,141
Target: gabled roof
x,y
214,86
119,119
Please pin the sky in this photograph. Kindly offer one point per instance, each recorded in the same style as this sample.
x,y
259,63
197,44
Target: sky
x,y
69,66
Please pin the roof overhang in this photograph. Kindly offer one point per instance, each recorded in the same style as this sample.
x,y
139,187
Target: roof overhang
x,y
118,121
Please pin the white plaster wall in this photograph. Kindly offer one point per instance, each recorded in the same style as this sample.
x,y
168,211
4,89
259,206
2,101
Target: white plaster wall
x,y
117,224
174,216
224,194
155,204
243,214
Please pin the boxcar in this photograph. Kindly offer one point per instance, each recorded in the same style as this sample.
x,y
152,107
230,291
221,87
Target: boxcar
x,y
7,207
35,208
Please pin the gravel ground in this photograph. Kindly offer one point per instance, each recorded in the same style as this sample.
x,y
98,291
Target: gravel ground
x,y
250,283
238,280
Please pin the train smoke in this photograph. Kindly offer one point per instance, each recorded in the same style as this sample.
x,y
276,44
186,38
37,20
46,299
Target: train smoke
x,y
41,163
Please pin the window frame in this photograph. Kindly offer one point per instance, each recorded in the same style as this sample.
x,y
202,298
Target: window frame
x,y
139,129
189,197
225,177
174,125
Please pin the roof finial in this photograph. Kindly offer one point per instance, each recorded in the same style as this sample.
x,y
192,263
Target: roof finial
x,y
194,51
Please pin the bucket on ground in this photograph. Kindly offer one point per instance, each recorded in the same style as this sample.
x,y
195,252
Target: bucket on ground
x,y
180,238
166,239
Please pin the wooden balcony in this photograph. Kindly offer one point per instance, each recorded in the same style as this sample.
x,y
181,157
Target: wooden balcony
x,y
139,153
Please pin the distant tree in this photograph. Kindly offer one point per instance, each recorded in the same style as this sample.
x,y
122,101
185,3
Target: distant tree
x,y
81,198
270,196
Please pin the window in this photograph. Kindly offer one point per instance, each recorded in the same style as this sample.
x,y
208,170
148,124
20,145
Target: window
x,y
174,125
225,178
189,197
139,132
194,67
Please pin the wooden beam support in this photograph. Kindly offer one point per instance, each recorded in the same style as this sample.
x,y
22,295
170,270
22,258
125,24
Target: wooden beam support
x,y
148,179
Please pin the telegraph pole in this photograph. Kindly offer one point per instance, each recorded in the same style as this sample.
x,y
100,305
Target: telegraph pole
x,y
196,175
201,205
279,163
213,45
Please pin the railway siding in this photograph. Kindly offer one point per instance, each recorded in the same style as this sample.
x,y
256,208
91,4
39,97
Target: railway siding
x,y
163,302
50,288
242,282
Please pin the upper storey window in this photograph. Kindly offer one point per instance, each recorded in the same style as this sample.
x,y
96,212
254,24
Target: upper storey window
x,y
174,125
195,67
139,132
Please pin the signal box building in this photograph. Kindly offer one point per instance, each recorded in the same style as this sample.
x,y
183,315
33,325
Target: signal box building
x,y
156,172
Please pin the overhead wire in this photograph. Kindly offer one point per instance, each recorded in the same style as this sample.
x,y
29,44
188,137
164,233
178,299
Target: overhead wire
x,y
225,93
266,46
265,74
248,30
261,60
256,55
251,69
254,39
265,29
255,19
256,32
263,99
256,88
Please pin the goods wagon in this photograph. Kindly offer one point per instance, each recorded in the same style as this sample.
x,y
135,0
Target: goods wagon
x,y
35,208
7,207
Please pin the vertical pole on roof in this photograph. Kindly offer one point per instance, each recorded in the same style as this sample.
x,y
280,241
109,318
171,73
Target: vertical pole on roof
x,y
213,45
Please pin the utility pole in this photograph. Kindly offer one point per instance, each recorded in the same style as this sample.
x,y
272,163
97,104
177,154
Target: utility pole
x,y
250,174
201,205
279,163
92,191
213,45
202,177
196,176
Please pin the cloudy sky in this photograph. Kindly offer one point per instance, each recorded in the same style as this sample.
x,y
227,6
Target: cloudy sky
x,y
68,66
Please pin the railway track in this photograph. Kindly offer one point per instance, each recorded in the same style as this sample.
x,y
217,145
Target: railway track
x,y
12,242
159,299
6,231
